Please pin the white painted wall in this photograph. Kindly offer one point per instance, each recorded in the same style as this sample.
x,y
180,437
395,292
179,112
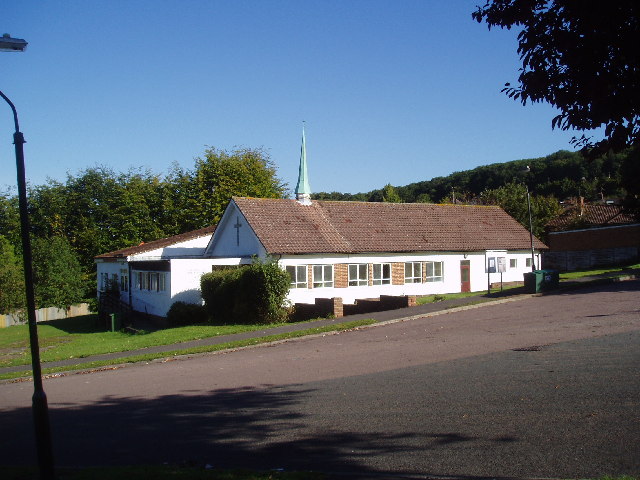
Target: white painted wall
x,y
451,275
111,268
186,273
229,241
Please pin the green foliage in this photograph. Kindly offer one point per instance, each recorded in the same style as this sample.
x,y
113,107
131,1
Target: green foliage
x,y
390,195
204,193
512,197
253,294
182,313
57,276
99,210
219,290
12,293
580,60
561,175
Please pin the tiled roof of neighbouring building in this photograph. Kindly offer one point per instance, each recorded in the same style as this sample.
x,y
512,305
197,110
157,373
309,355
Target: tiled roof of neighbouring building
x,y
586,216
160,243
288,227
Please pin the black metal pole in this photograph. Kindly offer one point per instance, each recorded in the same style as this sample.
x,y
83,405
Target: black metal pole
x,y
533,258
39,399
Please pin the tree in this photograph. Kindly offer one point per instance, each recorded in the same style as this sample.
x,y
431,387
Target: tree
x,y
12,294
580,58
57,276
10,217
512,197
390,195
203,193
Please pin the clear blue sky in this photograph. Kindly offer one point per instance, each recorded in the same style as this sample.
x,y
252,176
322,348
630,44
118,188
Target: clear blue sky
x,y
391,91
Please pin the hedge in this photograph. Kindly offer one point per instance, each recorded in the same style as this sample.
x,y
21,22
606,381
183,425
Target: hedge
x,y
252,294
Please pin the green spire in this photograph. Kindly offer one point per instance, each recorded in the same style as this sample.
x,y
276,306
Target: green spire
x,y
303,190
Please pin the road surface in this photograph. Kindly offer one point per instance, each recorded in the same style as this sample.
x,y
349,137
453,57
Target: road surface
x,y
540,387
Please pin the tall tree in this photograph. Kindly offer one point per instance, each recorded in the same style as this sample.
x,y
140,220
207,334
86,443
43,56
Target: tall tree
x,y
57,275
512,197
203,193
390,195
582,59
12,294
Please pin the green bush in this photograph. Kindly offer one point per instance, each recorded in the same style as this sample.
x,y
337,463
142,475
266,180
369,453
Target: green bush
x,y
182,313
254,294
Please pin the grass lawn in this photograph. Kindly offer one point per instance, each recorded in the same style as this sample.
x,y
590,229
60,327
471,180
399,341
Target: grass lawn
x,y
80,337
613,271
604,271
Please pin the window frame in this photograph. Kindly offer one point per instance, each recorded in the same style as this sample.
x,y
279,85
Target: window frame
x,y
359,280
381,279
513,263
434,277
323,282
295,278
413,278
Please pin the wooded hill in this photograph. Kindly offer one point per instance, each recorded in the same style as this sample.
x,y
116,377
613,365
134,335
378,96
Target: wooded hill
x,y
562,175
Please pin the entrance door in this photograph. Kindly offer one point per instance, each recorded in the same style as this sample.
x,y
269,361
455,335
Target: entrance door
x,y
465,276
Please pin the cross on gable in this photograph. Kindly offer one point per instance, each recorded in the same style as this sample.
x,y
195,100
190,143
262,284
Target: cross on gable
x,y
237,227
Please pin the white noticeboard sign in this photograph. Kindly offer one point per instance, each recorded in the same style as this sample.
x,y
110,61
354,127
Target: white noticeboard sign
x,y
495,261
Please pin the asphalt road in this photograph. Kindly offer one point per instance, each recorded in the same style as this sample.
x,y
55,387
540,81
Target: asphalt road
x,y
539,387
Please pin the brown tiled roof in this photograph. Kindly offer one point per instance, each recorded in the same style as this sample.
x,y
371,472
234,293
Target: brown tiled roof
x,y
287,227
160,243
590,216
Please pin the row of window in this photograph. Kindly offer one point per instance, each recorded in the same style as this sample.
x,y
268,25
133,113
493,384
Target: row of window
x,y
152,281
359,274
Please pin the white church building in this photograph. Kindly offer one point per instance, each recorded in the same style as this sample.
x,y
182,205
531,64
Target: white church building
x,y
349,250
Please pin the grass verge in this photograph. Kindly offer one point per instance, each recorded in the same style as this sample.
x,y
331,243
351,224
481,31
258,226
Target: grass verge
x,y
81,337
598,272
191,351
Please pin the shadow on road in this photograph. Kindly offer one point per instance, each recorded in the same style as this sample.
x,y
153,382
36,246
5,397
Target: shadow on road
x,y
257,428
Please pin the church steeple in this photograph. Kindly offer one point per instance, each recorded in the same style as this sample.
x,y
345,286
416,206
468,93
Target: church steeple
x,y
303,191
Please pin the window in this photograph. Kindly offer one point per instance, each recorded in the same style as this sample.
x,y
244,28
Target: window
x,y
104,281
434,271
298,274
413,272
152,281
358,275
381,273
124,280
513,263
528,262
322,276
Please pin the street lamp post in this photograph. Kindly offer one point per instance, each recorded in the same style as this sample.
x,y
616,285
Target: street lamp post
x,y
533,258
39,399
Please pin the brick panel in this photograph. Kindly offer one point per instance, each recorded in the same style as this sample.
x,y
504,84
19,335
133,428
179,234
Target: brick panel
x,y
341,275
397,273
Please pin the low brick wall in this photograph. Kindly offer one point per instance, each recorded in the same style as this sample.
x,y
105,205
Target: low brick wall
x,y
325,307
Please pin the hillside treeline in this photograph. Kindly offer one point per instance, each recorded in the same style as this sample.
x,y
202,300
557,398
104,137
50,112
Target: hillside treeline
x,y
560,175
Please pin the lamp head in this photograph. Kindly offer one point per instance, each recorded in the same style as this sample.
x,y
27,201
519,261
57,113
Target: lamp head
x,y
8,44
